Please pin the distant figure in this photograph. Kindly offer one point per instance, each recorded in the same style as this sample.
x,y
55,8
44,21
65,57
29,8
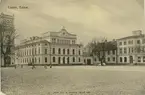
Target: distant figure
x,y
15,66
45,66
50,66
33,66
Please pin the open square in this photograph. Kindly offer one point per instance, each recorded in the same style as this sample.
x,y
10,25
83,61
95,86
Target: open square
x,y
74,80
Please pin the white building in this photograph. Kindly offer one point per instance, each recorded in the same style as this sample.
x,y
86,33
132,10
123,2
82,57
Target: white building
x,y
131,49
51,48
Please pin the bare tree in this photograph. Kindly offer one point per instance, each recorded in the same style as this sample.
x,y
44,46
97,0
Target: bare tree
x,y
98,47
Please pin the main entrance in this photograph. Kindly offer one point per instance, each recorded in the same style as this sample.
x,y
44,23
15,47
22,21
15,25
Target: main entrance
x,y
88,61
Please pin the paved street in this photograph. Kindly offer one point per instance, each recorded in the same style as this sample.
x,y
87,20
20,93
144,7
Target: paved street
x,y
75,80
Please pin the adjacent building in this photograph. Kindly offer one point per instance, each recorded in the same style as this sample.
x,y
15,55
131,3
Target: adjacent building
x,y
131,49
56,48
6,31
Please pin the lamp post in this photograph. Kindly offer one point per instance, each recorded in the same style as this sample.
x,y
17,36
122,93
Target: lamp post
x,y
50,54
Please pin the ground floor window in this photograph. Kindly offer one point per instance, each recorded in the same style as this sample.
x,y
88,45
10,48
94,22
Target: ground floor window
x,y
120,59
143,58
79,60
108,58
125,59
53,59
73,59
113,58
45,59
139,59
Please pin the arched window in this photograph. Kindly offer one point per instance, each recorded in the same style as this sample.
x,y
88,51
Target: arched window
x,y
73,59
120,59
73,51
53,51
59,51
45,59
79,52
63,51
67,51
79,60
125,59
53,59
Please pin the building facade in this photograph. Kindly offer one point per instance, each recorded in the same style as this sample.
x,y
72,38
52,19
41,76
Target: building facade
x,y
51,48
109,54
7,29
131,49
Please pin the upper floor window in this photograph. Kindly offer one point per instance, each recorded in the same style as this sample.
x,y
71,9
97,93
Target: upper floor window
x,y
45,51
124,42
120,43
79,52
67,51
73,51
125,50
53,51
108,52
63,51
59,51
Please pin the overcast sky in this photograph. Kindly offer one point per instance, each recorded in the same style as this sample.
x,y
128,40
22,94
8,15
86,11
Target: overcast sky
x,y
85,18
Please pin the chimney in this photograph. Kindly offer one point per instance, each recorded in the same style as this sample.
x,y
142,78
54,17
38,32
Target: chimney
x,y
137,33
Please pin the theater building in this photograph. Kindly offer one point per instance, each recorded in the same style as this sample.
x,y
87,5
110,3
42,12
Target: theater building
x,y
131,49
51,48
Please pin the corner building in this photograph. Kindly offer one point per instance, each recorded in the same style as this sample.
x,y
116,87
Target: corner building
x,y
131,49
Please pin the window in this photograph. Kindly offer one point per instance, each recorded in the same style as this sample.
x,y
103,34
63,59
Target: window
x,y
113,52
39,50
143,58
79,60
45,59
73,51
124,42
53,59
79,52
120,50
45,44
139,59
45,51
138,41
120,43
108,59
35,51
113,58
59,51
39,59
53,51
35,60
120,59
73,59
67,51
125,50
63,51
125,59
143,41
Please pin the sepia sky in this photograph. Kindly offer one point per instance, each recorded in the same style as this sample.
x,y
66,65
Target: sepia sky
x,y
86,18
